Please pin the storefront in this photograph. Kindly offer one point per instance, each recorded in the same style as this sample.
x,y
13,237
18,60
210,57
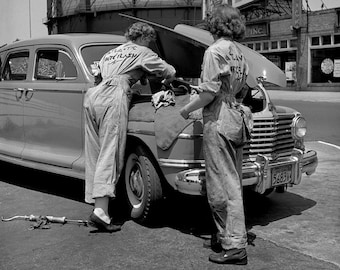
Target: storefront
x,y
282,52
324,59
310,56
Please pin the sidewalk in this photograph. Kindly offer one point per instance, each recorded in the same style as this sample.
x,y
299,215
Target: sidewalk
x,y
305,96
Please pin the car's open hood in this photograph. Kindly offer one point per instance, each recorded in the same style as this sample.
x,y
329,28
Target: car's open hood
x,y
184,46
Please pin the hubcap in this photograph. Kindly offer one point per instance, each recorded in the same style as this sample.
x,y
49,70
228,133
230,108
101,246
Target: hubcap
x,y
136,183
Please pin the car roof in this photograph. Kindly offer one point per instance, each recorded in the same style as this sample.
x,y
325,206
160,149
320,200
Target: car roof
x,y
72,39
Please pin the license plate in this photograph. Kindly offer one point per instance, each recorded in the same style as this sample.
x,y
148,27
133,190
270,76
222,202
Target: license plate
x,y
281,175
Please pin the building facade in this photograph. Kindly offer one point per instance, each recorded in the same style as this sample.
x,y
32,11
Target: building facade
x,y
65,16
304,44
309,54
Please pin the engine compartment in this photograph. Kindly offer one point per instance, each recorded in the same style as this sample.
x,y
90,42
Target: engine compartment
x,y
255,98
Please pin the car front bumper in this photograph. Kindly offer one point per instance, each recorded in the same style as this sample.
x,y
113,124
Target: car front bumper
x,y
258,173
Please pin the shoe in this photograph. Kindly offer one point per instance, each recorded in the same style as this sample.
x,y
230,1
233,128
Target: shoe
x,y
232,256
96,222
213,244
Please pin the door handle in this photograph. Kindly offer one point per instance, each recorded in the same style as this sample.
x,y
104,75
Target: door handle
x,y
18,93
29,94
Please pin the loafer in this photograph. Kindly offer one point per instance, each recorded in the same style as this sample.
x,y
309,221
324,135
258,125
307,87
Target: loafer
x,y
232,256
96,222
213,244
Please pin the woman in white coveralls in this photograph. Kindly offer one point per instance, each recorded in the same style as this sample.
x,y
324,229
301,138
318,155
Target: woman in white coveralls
x,y
106,109
224,73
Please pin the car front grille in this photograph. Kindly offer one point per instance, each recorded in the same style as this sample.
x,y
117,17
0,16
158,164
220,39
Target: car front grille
x,y
271,137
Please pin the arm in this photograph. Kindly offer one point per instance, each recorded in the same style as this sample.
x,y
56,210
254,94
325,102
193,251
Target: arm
x,y
200,101
154,65
210,85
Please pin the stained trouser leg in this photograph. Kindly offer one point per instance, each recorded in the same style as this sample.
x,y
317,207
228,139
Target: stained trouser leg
x,y
92,149
112,139
224,188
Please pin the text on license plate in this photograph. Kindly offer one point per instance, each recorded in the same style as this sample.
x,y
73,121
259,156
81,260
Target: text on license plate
x,y
281,175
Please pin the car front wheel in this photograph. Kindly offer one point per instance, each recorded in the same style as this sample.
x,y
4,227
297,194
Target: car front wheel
x,y
142,183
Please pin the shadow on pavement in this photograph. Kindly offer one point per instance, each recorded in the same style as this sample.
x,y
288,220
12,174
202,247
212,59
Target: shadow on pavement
x,y
191,214
188,214
49,183
262,210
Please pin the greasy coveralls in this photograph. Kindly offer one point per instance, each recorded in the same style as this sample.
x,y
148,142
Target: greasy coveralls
x,y
106,114
224,73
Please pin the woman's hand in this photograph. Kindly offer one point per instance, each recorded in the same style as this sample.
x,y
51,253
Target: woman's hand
x,y
167,82
184,113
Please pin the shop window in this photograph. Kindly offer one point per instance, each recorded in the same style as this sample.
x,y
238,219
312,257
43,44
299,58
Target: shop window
x,y
250,45
315,41
325,65
265,46
274,45
283,44
336,39
293,43
326,40
258,46
275,59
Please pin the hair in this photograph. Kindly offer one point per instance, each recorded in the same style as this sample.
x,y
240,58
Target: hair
x,y
140,29
226,21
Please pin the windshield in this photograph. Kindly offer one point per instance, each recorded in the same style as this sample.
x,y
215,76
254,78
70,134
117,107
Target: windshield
x,y
92,54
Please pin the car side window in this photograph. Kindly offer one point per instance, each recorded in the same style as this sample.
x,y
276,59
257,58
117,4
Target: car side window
x,y
15,67
54,65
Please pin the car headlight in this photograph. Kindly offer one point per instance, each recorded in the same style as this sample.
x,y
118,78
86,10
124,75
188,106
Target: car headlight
x,y
299,127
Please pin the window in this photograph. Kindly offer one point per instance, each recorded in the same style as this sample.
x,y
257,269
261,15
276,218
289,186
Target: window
x,y
54,65
336,39
92,54
315,41
258,46
250,45
326,40
16,67
293,43
325,59
274,45
323,66
283,44
265,46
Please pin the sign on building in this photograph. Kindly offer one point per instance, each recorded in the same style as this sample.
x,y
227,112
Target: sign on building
x,y
296,13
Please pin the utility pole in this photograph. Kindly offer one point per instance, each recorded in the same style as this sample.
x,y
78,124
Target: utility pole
x,y
29,17
296,27
134,12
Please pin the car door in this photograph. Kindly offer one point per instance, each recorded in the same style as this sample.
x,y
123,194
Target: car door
x,y
14,75
53,108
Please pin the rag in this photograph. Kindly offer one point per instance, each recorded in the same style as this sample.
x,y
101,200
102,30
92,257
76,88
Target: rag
x,y
163,98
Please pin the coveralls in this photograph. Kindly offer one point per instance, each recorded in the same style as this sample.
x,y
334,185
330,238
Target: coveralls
x,y
224,73
106,114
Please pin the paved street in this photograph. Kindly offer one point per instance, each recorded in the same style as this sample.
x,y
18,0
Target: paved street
x,y
321,110
295,230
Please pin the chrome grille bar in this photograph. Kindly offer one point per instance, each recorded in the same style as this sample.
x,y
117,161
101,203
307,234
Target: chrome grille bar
x,y
271,137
